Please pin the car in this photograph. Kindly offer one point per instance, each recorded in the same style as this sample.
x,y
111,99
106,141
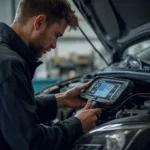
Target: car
x,y
122,89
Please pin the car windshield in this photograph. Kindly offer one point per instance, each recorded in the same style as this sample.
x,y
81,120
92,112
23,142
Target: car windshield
x,y
140,50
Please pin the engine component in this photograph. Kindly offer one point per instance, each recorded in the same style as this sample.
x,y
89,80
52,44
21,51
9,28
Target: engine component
x,y
132,112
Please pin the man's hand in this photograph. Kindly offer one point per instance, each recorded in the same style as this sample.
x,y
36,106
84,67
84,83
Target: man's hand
x,y
88,117
71,98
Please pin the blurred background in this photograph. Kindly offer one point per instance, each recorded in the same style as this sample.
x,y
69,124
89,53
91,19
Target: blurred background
x,y
74,56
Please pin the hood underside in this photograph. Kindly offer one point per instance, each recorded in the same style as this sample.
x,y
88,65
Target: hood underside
x,y
117,23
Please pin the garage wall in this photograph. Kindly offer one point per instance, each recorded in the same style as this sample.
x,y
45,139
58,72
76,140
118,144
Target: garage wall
x,y
6,11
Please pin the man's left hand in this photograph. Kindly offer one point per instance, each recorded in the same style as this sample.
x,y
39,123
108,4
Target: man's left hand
x,y
71,98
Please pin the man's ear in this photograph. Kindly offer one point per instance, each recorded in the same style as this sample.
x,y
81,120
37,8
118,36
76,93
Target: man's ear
x,y
39,22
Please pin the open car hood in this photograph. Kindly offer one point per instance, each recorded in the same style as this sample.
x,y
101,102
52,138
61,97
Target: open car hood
x,y
117,23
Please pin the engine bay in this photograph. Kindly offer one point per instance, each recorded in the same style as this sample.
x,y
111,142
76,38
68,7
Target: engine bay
x,y
134,102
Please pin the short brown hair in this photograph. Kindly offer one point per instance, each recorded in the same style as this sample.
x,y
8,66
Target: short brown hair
x,y
55,10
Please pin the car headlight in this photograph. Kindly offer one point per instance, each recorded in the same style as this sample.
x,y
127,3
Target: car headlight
x,y
115,141
111,137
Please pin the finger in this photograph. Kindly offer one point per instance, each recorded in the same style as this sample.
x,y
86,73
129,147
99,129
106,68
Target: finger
x,y
83,104
80,103
95,118
96,111
88,105
84,86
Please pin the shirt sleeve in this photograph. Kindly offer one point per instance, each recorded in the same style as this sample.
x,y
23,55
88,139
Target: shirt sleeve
x,y
20,124
46,107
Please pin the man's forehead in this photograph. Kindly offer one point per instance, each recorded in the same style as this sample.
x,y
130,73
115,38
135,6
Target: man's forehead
x,y
60,27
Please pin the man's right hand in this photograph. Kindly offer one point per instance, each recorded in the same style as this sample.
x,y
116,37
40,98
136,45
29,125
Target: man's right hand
x,y
88,117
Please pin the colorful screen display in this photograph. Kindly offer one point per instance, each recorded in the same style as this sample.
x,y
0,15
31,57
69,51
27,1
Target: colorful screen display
x,y
104,89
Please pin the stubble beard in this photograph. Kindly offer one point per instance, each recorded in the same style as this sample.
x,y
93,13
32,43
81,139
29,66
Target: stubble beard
x,y
36,47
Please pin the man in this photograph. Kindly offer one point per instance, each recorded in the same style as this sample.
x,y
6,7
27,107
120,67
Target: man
x,y
35,30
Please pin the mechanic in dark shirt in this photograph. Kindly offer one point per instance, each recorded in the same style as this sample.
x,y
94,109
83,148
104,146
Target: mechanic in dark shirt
x,y
35,30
